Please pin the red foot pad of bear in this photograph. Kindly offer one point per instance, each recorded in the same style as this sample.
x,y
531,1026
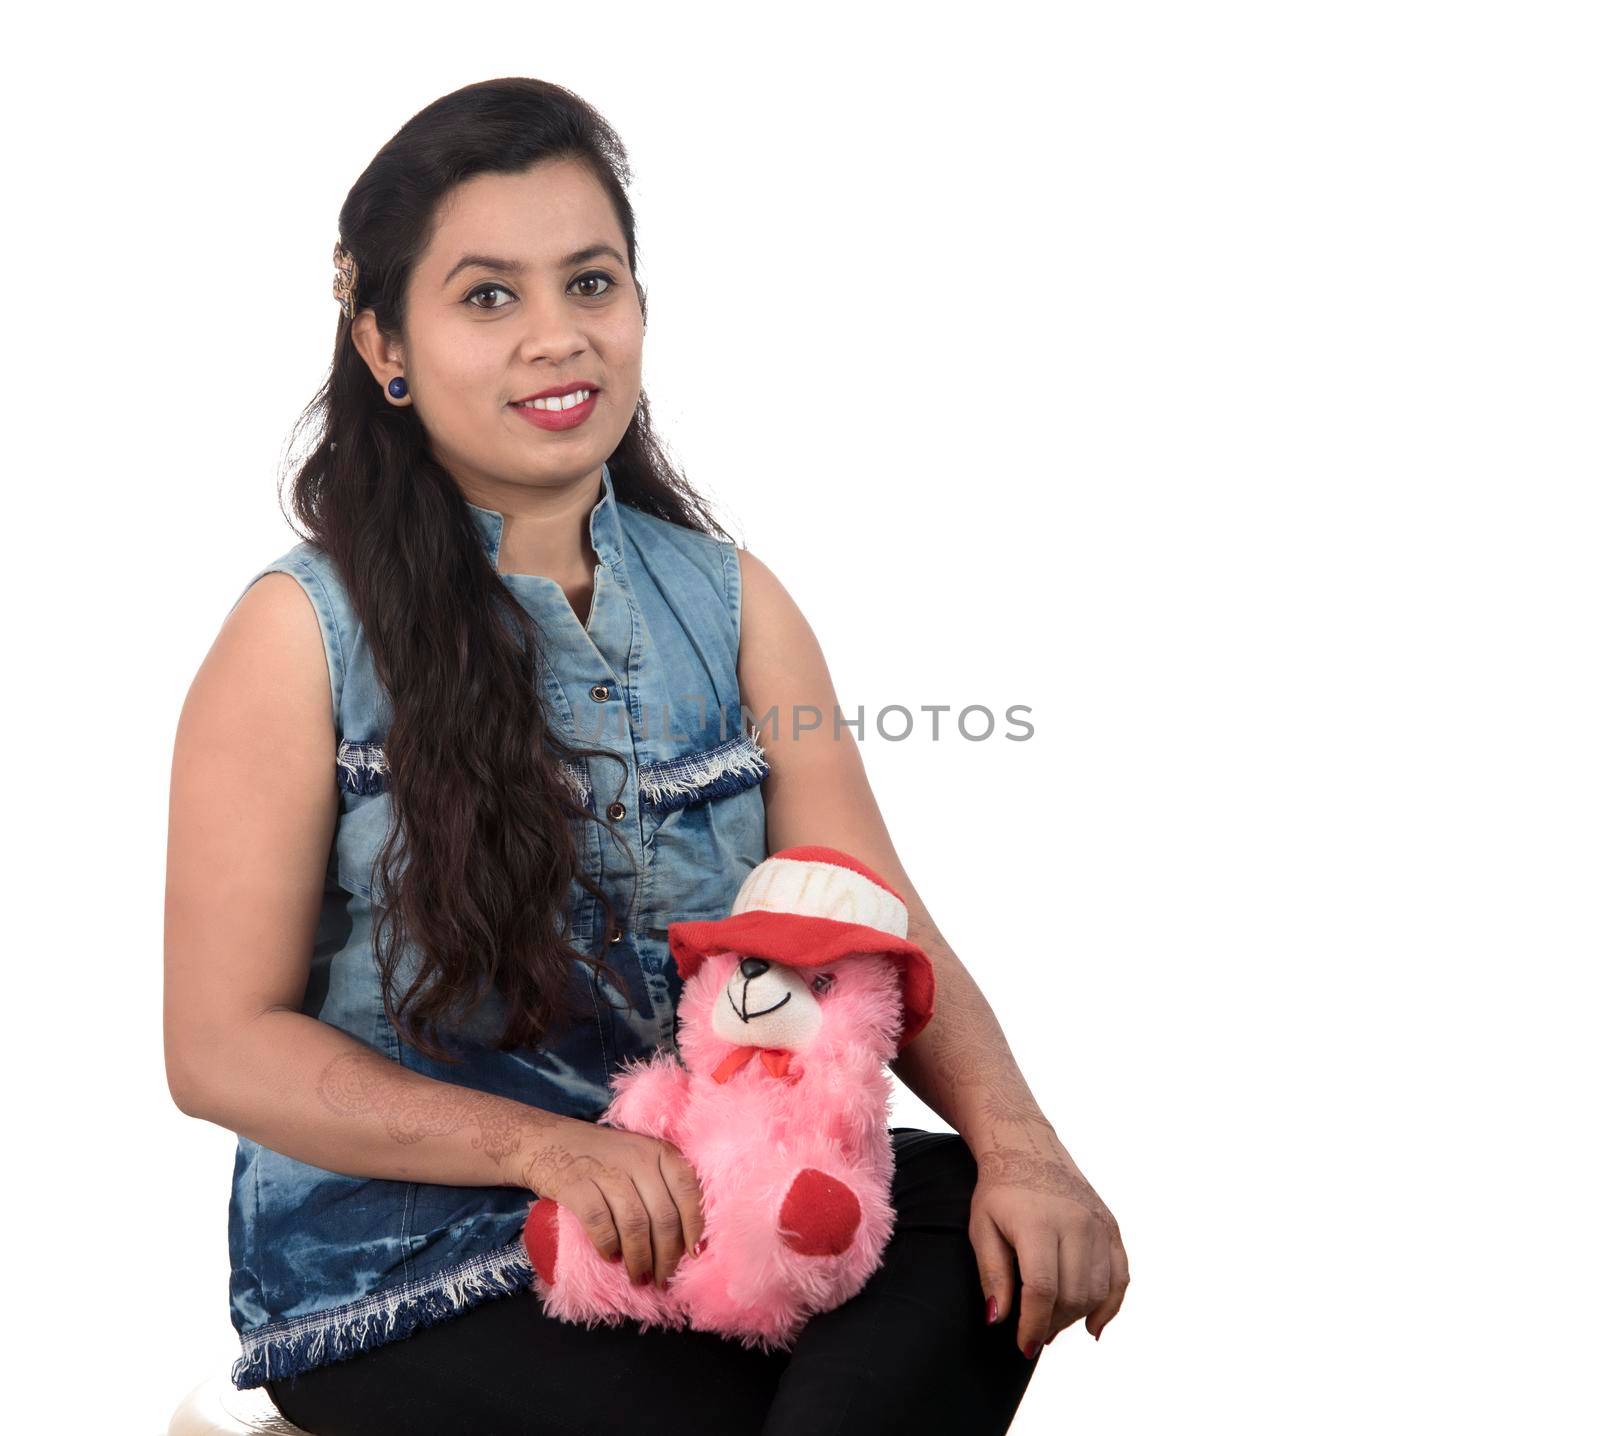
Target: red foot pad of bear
x,y
540,1235
819,1216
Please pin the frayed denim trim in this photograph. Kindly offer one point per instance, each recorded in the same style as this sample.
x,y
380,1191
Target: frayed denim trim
x,y
576,779
362,767
363,770
299,1343
719,772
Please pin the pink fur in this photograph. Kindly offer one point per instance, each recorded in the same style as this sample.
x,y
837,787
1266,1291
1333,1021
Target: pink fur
x,y
749,1140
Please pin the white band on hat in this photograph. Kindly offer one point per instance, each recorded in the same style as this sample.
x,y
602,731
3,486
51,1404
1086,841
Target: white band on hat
x,y
813,889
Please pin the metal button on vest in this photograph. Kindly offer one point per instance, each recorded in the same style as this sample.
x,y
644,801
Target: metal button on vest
x,y
616,934
615,811
600,692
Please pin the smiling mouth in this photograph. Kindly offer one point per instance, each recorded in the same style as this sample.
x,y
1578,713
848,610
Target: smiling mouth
x,y
751,1016
555,403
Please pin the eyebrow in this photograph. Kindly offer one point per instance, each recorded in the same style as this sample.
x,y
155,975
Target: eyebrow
x,y
516,266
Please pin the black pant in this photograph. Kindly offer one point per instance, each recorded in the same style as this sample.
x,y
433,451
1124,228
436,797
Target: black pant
x,y
910,1352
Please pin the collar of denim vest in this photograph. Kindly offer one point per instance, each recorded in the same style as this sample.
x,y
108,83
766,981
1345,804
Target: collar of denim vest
x,y
605,526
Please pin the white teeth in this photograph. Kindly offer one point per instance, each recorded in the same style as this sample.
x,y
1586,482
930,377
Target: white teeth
x,y
565,402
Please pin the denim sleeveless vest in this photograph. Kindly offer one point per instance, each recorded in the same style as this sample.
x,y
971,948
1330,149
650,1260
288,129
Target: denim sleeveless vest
x,y
325,1265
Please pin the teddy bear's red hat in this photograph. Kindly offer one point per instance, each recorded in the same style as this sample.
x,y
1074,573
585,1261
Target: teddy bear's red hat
x,y
806,906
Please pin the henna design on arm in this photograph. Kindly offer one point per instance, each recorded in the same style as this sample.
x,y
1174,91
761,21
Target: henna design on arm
x,y
963,1063
1013,1167
369,1084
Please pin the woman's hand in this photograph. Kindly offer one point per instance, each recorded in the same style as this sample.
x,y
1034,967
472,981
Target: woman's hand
x,y
637,1197
1031,1200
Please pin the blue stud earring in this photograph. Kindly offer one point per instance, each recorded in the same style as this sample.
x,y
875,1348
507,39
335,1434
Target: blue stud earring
x,y
397,387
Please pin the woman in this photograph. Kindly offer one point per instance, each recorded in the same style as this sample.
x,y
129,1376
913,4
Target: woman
x,y
406,990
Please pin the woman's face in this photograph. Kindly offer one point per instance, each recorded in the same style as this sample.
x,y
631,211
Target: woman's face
x,y
554,304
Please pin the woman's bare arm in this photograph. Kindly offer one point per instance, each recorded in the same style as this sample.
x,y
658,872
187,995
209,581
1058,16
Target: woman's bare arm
x,y
252,815
818,792
1033,1211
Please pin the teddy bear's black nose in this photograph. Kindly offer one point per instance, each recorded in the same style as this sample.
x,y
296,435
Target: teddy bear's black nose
x,y
753,966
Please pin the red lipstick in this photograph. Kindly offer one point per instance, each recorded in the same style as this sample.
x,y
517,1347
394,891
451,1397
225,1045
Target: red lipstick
x,y
557,418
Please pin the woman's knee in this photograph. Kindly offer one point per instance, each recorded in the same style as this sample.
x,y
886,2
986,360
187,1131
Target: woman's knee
x,y
935,1175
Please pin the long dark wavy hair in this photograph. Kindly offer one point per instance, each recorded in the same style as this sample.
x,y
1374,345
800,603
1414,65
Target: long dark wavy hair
x,y
483,844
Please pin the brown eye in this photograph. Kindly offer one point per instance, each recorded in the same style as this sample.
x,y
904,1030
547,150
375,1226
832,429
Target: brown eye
x,y
486,289
822,982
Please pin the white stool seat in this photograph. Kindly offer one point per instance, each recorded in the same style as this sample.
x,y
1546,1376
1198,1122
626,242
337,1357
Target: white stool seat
x,y
216,1407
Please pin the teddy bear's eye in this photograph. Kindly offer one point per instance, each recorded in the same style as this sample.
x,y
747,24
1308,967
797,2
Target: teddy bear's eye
x,y
822,982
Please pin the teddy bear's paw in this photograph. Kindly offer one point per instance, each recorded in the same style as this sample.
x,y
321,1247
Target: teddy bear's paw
x,y
819,1215
541,1234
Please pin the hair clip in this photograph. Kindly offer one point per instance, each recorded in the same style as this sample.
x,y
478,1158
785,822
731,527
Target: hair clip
x,y
344,279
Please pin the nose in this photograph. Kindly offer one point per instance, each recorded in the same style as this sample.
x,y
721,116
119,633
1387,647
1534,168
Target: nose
x,y
753,966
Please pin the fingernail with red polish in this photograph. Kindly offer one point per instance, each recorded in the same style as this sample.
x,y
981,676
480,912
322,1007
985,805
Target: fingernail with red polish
x,y
615,1256
643,1279
994,1311
699,1246
1032,1351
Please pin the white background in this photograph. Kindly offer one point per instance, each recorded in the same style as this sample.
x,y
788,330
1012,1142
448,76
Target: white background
x,y
1216,379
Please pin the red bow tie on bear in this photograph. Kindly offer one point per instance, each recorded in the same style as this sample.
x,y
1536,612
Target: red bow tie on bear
x,y
774,1059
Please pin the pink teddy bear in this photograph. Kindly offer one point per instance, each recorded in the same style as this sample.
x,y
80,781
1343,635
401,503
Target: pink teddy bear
x,y
791,1008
